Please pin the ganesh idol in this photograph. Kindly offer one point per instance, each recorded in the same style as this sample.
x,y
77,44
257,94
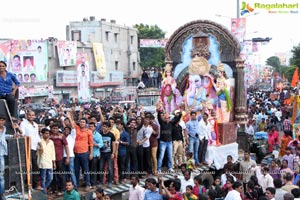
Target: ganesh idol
x,y
196,94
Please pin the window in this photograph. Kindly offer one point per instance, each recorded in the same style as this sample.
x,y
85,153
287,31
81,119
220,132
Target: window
x,y
76,35
133,66
116,37
131,39
116,65
107,35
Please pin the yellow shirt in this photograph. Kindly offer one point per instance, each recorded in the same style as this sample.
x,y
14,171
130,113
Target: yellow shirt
x,y
116,133
47,156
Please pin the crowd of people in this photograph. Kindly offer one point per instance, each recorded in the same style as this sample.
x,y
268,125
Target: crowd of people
x,y
94,146
116,145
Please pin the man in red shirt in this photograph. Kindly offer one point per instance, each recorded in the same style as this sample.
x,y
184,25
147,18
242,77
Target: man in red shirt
x,y
60,143
83,149
172,190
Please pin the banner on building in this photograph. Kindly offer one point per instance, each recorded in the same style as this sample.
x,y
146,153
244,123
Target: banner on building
x,y
111,78
99,59
35,91
66,51
153,43
83,77
238,28
66,78
28,59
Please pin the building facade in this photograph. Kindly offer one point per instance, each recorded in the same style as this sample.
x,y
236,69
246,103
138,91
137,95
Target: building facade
x,y
54,66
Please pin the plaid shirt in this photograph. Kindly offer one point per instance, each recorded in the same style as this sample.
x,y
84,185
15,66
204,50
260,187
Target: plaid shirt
x,y
287,125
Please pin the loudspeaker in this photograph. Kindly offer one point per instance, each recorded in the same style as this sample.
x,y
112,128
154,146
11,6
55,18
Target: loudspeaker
x,y
12,177
13,158
8,122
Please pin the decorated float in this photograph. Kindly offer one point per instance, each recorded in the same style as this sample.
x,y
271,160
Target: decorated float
x,y
204,73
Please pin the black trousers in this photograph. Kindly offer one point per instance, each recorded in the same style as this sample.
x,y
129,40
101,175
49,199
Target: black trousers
x,y
11,103
94,169
59,178
140,157
122,166
35,169
131,159
147,159
202,150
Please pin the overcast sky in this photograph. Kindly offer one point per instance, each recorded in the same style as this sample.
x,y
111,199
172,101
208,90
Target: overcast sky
x,y
33,19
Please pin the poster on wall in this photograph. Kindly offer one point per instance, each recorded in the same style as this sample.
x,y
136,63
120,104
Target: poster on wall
x,y
66,51
36,91
83,77
28,59
99,59
66,78
111,78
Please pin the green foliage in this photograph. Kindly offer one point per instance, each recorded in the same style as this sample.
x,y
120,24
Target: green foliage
x,y
150,56
295,60
273,61
288,73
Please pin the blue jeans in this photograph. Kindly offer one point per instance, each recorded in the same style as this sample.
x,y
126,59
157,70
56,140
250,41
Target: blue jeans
x,y
106,157
194,147
71,170
82,160
2,165
46,178
162,149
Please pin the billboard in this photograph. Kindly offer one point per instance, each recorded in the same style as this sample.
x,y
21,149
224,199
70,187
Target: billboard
x,y
83,77
99,59
153,43
28,59
111,78
36,91
238,28
66,51
66,78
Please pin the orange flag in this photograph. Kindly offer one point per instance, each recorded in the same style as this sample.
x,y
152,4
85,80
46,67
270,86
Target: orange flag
x,y
295,78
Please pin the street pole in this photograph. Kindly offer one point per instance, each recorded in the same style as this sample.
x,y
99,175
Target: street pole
x,y
237,9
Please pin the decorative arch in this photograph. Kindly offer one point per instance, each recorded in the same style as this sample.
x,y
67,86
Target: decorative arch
x,y
228,47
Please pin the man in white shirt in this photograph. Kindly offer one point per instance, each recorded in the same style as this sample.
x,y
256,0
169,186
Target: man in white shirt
x,y
249,128
187,180
136,192
70,134
204,137
235,194
266,179
147,129
30,128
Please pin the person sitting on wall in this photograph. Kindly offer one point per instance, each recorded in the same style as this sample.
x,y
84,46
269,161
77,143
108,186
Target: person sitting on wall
x,y
7,91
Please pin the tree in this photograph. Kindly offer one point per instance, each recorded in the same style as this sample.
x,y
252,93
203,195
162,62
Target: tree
x,y
274,62
295,60
150,56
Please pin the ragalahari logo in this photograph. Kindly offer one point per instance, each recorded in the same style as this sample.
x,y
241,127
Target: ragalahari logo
x,y
246,8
